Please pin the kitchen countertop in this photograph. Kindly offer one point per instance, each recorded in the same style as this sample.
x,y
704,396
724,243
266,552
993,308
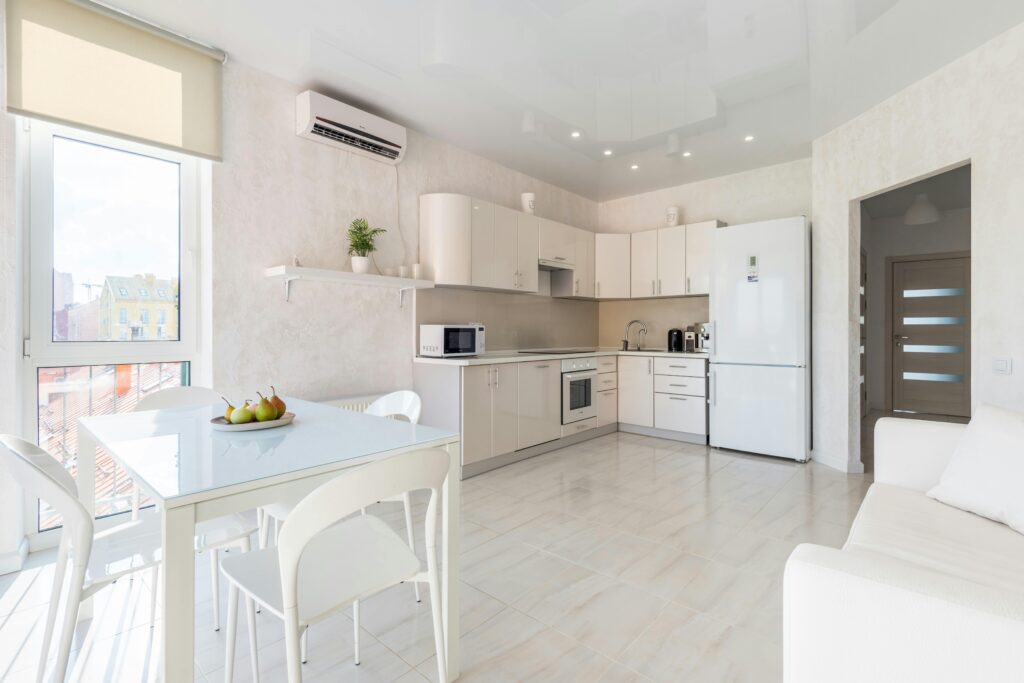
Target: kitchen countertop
x,y
495,357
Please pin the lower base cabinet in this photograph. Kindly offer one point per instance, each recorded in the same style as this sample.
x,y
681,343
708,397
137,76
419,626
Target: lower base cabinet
x,y
490,397
607,407
540,402
680,413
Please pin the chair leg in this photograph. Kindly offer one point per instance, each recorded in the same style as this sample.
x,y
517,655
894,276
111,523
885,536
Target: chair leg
x,y
67,633
435,612
51,612
250,613
229,646
153,593
215,582
292,647
355,632
304,645
264,526
136,501
407,502
277,530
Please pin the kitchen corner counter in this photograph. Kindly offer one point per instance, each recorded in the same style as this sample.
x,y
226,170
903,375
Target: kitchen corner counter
x,y
496,357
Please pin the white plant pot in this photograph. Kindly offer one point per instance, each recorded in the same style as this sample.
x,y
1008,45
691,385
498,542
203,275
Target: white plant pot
x,y
360,264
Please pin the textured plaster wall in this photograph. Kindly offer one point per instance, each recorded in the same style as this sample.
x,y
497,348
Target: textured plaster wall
x,y
276,195
972,109
761,194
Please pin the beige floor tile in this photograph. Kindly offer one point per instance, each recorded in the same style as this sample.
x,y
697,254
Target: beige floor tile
x,y
729,594
506,569
674,643
656,568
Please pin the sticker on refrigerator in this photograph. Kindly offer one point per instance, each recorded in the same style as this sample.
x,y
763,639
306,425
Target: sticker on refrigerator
x,y
752,275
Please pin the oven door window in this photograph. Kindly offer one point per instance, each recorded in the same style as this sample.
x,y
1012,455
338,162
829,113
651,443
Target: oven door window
x,y
579,393
459,340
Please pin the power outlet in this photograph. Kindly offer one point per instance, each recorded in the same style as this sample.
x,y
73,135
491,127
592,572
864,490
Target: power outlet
x,y
1002,366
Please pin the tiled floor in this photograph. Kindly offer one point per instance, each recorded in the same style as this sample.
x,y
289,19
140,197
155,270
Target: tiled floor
x,y
625,558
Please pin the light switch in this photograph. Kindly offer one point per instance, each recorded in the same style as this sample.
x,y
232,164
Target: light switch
x,y
1002,366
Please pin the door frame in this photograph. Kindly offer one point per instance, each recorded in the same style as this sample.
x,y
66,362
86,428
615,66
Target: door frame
x,y
890,261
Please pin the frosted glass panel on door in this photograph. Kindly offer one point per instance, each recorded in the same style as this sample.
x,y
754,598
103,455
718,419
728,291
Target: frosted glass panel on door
x,y
933,377
931,348
919,293
935,320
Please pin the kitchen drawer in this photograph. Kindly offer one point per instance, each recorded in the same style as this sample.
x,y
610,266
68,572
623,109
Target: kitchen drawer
x,y
681,367
606,382
689,386
577,427
607,407
680,413
607,364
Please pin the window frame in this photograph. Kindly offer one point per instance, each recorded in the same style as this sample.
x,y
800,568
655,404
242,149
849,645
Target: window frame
x,y
35,163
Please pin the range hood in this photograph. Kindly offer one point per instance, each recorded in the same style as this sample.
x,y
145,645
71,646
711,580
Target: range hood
x,y
545,264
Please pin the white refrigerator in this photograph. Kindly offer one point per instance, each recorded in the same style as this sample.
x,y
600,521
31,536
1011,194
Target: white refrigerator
x,y
759,379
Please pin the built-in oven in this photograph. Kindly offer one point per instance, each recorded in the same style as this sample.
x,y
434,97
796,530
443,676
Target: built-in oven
x,y
579,380
452,341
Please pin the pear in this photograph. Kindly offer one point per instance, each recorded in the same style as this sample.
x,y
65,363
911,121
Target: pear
x,y
276,401
241,415
265,411
227,413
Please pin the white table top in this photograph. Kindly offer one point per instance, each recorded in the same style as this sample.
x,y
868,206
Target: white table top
x,y
177,453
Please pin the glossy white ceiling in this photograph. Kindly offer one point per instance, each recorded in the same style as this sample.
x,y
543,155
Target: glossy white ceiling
x,y
647,79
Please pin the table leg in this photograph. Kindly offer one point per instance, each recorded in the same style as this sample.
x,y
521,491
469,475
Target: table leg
x,y
179,593
86,481
450,552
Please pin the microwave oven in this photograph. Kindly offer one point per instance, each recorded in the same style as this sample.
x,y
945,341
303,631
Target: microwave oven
x,y
451,341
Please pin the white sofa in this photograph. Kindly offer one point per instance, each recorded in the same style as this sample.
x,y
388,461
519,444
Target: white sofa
x,y
920,592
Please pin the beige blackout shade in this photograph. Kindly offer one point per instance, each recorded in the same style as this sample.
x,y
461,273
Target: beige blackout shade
x,y
71,64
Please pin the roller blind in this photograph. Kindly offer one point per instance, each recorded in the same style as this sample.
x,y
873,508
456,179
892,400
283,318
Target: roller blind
x,y
87,67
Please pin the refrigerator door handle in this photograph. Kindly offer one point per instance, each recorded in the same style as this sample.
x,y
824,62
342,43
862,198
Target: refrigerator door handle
x,y
714,388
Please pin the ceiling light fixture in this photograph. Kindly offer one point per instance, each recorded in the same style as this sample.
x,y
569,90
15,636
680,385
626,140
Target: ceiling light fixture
x,y
634,167
686,154
575,133
921,212
749,138
607,152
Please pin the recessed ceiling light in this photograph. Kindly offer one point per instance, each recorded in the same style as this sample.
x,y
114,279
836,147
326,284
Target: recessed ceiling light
x,y
575,133
686,154
607,152
634,167
749,138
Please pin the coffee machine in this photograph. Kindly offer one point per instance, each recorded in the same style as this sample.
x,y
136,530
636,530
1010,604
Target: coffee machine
x,y
703,332
675,340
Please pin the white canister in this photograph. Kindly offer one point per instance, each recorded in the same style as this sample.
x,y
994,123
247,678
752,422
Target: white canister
x,y
403,270
417,271
672,216
529,202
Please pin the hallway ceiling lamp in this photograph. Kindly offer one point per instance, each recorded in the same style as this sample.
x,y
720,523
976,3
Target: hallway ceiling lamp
x,y
921,211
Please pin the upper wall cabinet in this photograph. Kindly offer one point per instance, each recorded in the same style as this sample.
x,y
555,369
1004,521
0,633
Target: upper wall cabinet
x,y
611,266
557,242
672,261
468,242
577,283
699,238
643,258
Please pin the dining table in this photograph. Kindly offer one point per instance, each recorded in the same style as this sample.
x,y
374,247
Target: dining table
x,y
195,472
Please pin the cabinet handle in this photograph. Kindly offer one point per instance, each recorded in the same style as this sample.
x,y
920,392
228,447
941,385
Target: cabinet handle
x,y
677,398
679,385
652,288
541,367
714,389
489,371
659,286
576,287
680,367
649,361
687,284
608,381
559,258
598,286
495,378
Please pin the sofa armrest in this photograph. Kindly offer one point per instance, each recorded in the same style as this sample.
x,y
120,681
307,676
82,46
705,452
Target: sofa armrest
x,y
860,616
913,453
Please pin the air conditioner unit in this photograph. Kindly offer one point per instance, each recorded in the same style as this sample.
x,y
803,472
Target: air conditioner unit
x,y
335,123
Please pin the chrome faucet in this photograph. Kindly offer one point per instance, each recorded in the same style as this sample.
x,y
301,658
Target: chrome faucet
x,y
643,330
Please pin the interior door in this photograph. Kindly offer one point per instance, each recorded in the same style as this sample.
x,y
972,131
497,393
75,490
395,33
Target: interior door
x,y
672,261
931,345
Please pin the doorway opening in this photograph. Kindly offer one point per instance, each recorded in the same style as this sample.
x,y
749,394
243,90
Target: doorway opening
x,y
915,295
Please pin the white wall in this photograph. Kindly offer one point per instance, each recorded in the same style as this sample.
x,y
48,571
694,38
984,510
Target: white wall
x,y
763,193
277,195
883,237
971,109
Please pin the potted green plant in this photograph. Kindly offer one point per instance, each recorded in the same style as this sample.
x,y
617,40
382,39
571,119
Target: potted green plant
x,y
360,244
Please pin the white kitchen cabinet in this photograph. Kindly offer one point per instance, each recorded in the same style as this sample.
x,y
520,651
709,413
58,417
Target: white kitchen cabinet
x,y
557,242
540,402
636,390
579,282
688,386
607,364
672,261
699,238
489,407
527,250
446,238
643,264
607,407
611,266
677,413
482,244
682,367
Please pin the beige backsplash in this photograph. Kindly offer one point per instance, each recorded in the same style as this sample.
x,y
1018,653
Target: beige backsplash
x,y
513,321
661,315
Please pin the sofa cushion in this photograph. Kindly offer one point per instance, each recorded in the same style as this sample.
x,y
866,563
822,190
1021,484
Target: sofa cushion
x,y
909,525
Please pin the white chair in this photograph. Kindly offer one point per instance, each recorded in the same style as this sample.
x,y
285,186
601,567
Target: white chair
x,y
323,561
406,404
212,535
97,559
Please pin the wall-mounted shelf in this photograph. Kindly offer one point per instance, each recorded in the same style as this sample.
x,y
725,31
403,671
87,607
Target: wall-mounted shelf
x,y
292,273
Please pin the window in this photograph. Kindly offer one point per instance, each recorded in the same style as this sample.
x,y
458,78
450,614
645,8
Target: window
x,y
161,316
162,293
107,224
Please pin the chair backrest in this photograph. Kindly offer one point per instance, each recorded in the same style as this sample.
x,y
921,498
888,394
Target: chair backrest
x,y
404,403
178,397
40,475
352,491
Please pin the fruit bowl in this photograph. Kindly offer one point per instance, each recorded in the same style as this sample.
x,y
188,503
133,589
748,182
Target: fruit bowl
x,y
222,425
